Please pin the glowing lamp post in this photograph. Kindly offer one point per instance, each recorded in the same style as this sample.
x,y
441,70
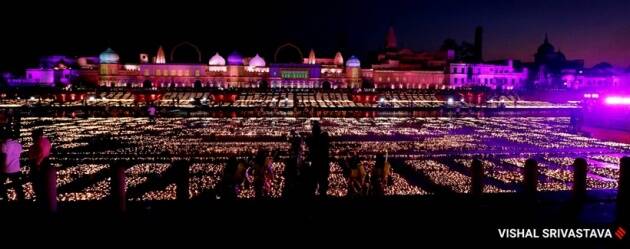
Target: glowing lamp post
x,y
617,100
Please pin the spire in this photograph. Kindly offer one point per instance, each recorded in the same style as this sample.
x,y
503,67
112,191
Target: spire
x,y
546,38
390,40
160,58
478,44
311,57
338,59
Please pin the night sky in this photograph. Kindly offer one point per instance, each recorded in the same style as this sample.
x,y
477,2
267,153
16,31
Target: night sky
x,y
595,31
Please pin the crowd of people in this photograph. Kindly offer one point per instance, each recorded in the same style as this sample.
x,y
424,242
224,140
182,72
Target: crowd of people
x,y
11,168
307,170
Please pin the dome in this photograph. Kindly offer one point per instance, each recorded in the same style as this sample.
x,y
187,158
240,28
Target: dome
x,y
235,59
561,56
108,57
353,62
257,61
216,60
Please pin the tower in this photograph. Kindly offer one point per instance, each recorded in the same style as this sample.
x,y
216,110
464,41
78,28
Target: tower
x,y
338,59
311,57
160,58
479,44
390,40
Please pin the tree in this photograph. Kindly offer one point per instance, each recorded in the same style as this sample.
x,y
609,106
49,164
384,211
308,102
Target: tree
x,y
449,44
147,84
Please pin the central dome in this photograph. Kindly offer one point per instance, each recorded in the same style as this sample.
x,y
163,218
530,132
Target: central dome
x,y
353,62
235,59
109,57
216,60
546,47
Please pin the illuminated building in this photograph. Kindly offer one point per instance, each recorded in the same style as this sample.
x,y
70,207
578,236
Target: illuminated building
x,y
548,65
393,68
599,77
489,75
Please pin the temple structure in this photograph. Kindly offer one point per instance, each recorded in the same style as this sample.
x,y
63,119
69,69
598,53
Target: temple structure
x,y
395,68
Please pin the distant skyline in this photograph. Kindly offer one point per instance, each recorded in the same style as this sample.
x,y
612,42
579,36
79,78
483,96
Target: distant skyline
x,y
595,31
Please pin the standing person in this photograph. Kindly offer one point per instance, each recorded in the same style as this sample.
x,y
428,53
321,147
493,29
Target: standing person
x,y
318,152
323,170
152,112
380,176
262,174
233,178
356,176
11,151
291,171
38,154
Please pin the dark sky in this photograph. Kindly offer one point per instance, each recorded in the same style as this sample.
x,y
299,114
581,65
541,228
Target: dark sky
x,y
592,30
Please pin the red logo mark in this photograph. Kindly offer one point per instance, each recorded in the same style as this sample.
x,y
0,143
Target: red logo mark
x,y
620,233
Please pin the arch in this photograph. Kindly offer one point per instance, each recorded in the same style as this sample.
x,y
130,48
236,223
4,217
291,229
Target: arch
x,y
289,45
188,44
147,84
263,84
326,85
197,84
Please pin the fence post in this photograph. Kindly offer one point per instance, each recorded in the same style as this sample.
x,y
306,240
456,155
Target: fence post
x,y
119,185
580,167
531,177
181,168
476,188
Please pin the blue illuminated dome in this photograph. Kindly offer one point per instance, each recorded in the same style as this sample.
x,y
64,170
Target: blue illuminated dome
x,y
109,57
353,62
235,59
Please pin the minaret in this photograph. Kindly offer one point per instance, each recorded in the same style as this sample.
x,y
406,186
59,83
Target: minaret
x,y
546,38
479,44
390,40
311,57
160,58
338,59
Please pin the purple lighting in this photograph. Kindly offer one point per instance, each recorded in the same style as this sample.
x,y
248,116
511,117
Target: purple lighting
x,y
616,100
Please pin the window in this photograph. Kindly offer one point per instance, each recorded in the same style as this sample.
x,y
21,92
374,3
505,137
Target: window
x,y
30,76
456,80
187,73
146,72
179,72
158,72
463,70
454,70
197,72
173,72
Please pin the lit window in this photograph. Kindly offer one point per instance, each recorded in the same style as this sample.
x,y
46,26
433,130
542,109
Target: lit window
x,y
179,72
173,72
197,72
158,72
187,73
146,72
